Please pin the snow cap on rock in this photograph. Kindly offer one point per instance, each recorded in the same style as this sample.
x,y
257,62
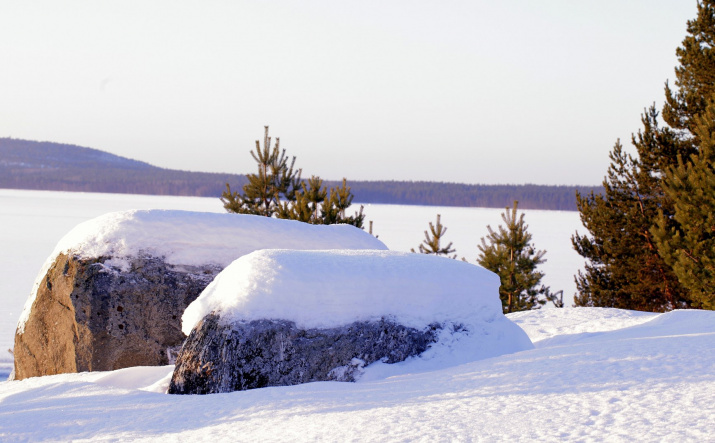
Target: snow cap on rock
x,y
194,239
323,289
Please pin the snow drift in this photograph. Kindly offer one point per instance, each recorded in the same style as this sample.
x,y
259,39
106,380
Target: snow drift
x,y
625,376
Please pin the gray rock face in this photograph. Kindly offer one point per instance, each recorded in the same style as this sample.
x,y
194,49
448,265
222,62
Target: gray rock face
x,y
90,316
219,358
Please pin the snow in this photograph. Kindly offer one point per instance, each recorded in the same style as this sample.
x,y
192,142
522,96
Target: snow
x,y
193,239
625,377
594,374
199,238
33,222
325,289
545,324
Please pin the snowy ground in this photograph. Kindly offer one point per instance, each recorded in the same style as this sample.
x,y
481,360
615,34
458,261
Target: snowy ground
x,y
594,374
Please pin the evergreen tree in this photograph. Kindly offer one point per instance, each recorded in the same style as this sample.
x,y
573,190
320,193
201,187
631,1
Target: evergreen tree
x,y
688,242
276,190
334,207
275,180
625,267
510,255
433,239
695,77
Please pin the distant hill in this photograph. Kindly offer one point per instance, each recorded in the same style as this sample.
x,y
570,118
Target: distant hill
x,y
59,167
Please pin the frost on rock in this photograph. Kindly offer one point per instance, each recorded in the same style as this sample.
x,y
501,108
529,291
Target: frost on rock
x,y
261,353
113,292
282,317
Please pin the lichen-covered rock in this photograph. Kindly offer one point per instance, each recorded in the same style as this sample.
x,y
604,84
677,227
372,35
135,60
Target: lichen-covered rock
x,y
89,315
244,355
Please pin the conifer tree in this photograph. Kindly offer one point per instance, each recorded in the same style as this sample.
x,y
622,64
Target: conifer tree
x,y
275,180
627,266
277,190
688,242
695,77
334,207
510,255
433,239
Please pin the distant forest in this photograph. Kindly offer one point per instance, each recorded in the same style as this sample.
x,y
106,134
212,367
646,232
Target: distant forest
x,y
58,167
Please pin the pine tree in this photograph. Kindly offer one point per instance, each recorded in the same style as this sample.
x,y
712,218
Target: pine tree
x,y
509,254
433,239
695,77
623,268
687,243
334,207
277,190
274,181
626,268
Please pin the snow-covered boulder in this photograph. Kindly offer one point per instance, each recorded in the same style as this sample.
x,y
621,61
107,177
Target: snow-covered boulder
x,y
112,293
281,317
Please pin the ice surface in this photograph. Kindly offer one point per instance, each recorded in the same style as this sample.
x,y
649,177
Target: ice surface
x,y
194,238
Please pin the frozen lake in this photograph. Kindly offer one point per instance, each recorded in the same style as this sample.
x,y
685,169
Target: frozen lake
x,y
34,221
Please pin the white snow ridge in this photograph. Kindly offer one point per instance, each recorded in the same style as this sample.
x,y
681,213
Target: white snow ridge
x,y
324,289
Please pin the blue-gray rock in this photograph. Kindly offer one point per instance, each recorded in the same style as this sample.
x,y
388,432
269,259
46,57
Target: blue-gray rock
x,y
218,358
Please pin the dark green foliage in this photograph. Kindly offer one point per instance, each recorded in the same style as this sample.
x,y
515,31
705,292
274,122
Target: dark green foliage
x,y
623,268
631,263
433,239
687,241
695,77
334,206
276,189
509,254
685,235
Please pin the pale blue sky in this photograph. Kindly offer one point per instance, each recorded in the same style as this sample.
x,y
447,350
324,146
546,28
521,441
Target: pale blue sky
x,y
515,91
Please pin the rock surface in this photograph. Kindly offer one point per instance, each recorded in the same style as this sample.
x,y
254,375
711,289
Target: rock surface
x,y
219,358
112,293
91,316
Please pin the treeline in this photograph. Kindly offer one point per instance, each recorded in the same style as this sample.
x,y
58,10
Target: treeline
x,y
58,167
561,198
121,181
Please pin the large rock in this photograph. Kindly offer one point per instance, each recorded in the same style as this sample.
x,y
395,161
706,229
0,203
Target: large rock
x,y
91,316
237,356
113,292
282,317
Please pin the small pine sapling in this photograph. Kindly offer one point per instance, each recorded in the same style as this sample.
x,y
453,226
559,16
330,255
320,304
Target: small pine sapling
x,y
508,253
432,244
